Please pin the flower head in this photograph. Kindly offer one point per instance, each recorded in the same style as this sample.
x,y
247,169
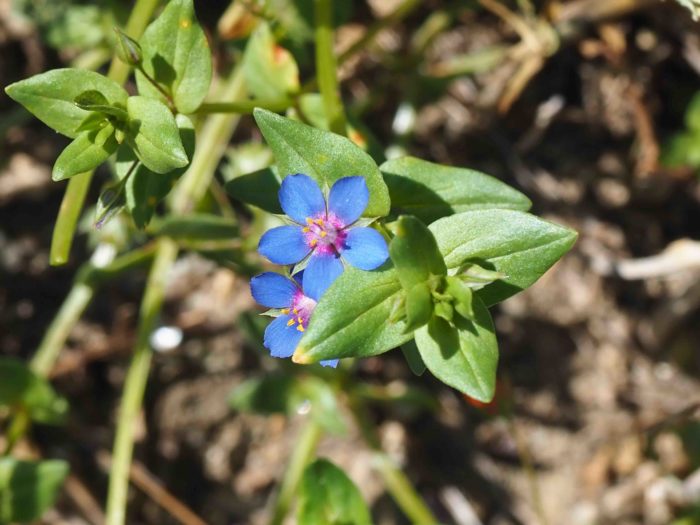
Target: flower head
x,y
277,291
324,231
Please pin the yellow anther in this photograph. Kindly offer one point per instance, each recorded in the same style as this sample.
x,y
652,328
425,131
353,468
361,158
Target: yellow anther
x,y
285,310
300,320
309,221
296,310
300,328
319,222
313,243
290,322
306,229
323,233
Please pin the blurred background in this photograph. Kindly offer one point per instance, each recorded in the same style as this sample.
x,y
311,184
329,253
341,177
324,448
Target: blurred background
x,y
587,106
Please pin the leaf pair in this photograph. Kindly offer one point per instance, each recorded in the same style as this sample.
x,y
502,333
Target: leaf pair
x,y
357,317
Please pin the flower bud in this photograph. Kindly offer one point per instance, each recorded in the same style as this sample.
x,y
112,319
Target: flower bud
x,y
128,49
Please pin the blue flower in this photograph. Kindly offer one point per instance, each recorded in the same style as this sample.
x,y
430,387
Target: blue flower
x,y
277,291
323,231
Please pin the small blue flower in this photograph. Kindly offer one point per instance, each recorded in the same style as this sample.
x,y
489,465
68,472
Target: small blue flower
x,y
324,231
277,291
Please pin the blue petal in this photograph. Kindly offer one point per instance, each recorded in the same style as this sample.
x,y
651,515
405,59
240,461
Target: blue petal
x,y
284,245
300,197
365,248
330,362
348,198
320,273
273,290
281,339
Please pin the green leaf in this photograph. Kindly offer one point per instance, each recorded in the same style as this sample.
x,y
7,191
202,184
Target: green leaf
x,y
145,188
50,96
419,306
692,114
270,394
517,244
353,318
323,156
431,191
280,393
154,136
85,153
177,56
110,202
259,189
94,101
270,71
413,358
415,253
328,497
463,356
20,388
463,296
197,227
28,489
682,149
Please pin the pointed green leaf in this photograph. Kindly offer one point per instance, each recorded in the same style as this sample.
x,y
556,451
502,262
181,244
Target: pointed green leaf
x,y
464,356
110,202
176,55
413,358
94,101
20,388
85,153
259,189
328,497
270,70
419,306
28,489
517,244
154,136
415,253
430,191
353,318
51,96
145,188
323,156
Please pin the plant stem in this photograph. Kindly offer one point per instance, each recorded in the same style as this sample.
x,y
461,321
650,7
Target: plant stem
x,y
68,214
212,143
72,308
135,384
78,186
397,483
326,67
244,106
304,450
159,88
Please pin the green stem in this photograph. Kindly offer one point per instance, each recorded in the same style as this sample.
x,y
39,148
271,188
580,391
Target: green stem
x,y
304,450
72,308
326,67
397,483
135,384
159,88
244,106
68,214
78,186
212,143
18,427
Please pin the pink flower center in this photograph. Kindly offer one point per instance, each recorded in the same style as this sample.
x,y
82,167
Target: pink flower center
x,y
300,311
325,234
